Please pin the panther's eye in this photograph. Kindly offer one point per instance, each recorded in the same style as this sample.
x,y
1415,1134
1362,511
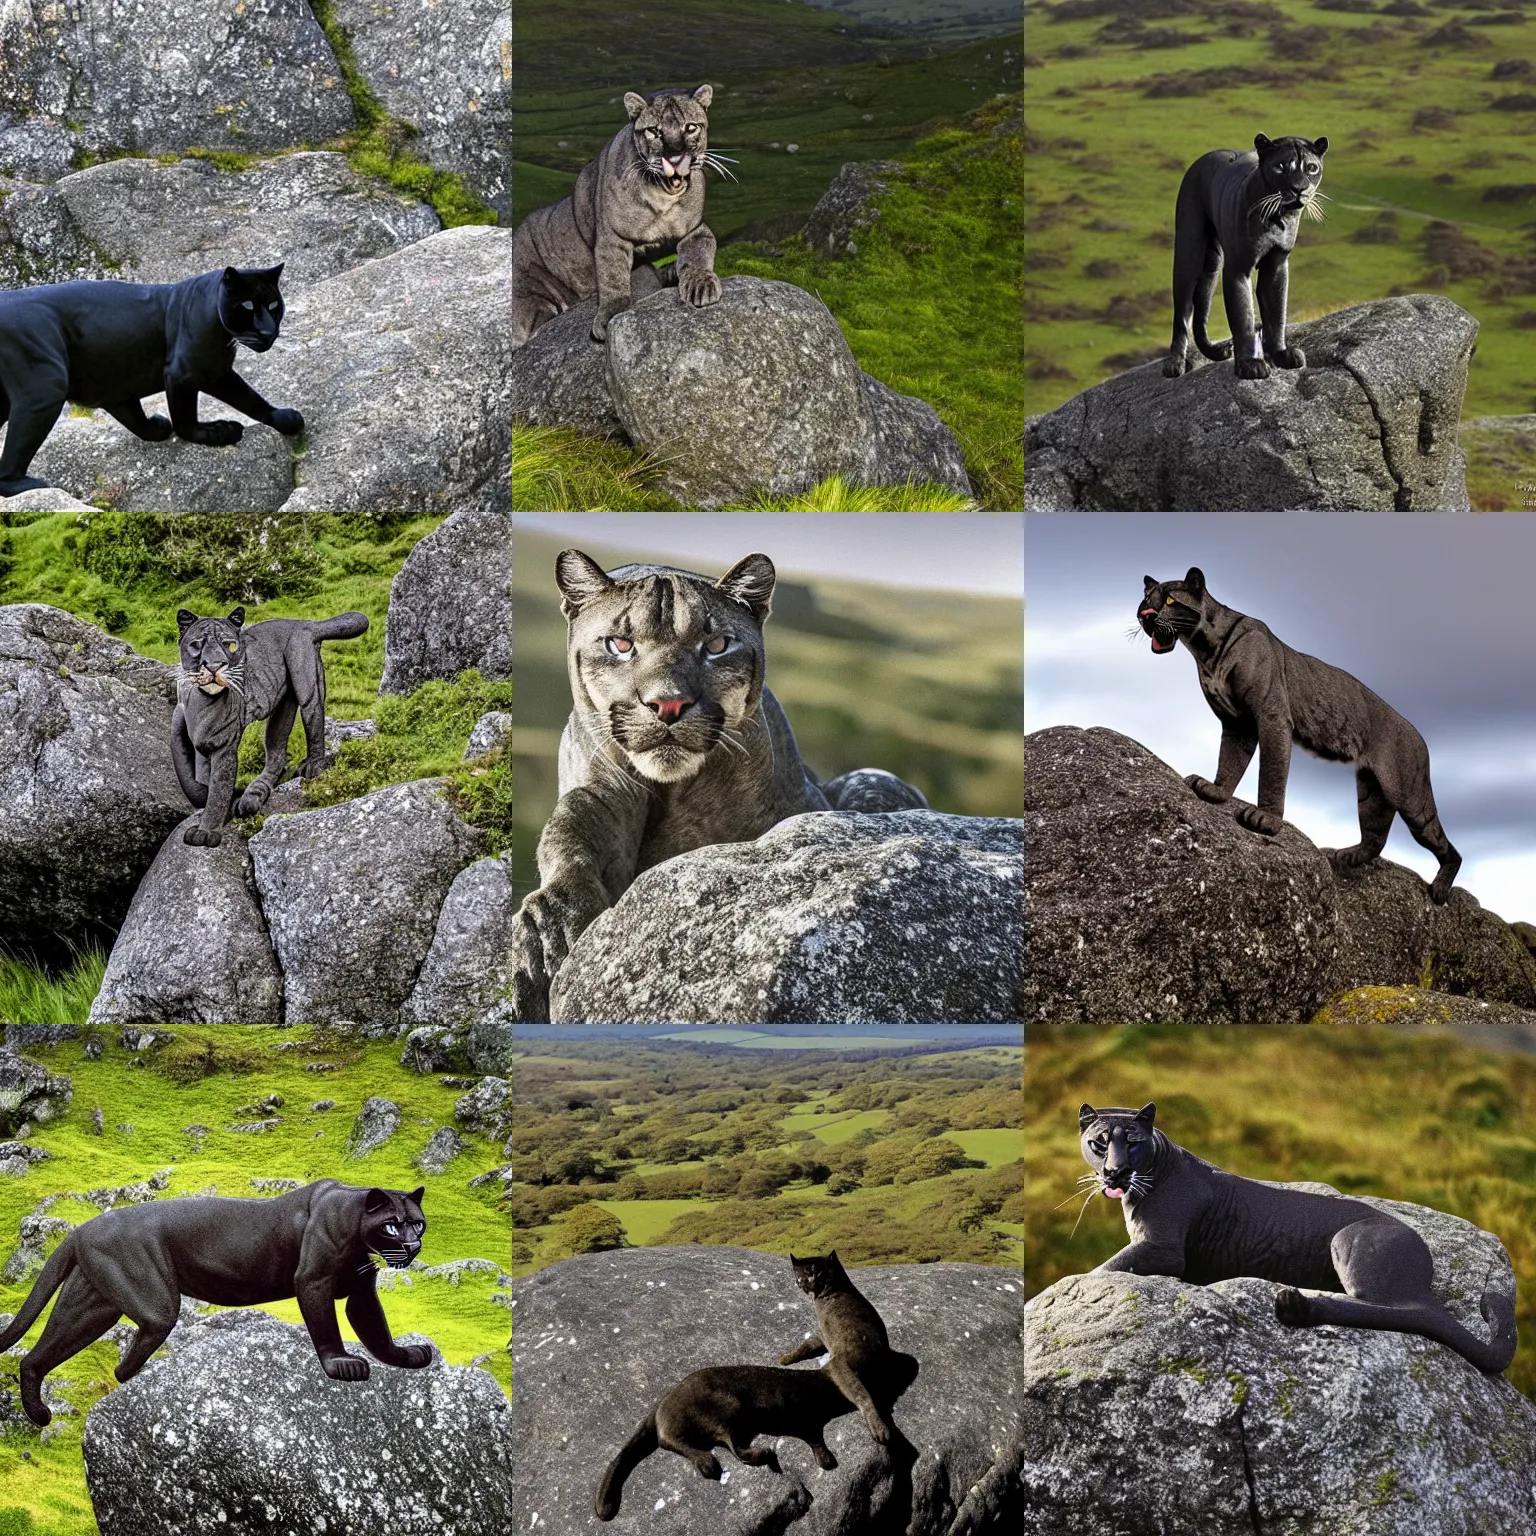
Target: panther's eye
x,y
231,646
691,128
617,645
1167,601
248,305
716,645
390,1228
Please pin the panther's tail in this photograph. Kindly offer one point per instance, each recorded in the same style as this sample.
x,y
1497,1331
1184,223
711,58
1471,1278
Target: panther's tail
x,y
345,626
636,1449
55,1272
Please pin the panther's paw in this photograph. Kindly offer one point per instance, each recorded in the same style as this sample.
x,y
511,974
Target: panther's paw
x,y
252,801
698,286
1266,823
1175,364
414,1356
1291,1308
1251,368
200,839
346,1368
157,429
1206,790
1219,351
218,434
25,483
289,423
1287,357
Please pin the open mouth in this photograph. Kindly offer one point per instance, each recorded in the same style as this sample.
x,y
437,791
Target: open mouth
x,y
675,184
1162,642
1114,1192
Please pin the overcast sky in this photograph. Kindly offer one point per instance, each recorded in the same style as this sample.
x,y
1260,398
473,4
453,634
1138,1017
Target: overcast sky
x,y
1436,612
968,551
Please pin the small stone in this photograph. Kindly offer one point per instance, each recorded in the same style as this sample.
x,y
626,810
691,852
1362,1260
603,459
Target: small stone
x,y
320,1106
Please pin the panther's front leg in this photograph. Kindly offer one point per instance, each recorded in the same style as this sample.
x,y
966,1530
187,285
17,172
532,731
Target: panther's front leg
x,y
696,279
181,397
614,259
1237,748
1274,283
1246,358
223,769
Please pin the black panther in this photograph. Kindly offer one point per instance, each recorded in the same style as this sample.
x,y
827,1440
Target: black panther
x,y
316,1243
109,344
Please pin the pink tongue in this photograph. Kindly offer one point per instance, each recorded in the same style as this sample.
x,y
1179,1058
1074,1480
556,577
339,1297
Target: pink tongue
x,y
1115,1194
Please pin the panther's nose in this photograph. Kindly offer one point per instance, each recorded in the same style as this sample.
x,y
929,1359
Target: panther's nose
x,y
669,710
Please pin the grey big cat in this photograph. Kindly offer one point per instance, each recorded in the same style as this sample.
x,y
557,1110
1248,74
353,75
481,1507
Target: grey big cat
x,y
231,676
1191,1220
1267,695
642,197
674,742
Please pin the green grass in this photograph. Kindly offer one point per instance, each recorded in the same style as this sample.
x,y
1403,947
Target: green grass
x,y
836,1128
32,997
144,1114
1108,147
646,1220
996,1148
1368,1109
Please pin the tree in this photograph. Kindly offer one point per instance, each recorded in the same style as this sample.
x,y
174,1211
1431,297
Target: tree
x,y
591,1229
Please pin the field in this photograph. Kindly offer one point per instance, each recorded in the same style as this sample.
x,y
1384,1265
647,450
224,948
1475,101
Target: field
x,y
1431,168
144,1113
1404,1115
665,1143
927,303
128,573
926,685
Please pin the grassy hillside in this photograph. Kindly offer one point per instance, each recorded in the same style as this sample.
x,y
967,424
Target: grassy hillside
x,y
894,1159
144,1113
128,573
1431,122
1375,1111
927,685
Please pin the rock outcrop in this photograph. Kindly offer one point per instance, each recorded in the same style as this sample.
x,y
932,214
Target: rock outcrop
x,y
204,1444
450,604
351,894
848,206
1370,424
759,391
29,1093
194,947
467,974
1148,903
164,77
87,792
446,70
144,222
1227,1422
491,730
598,1339
829,917
376,1122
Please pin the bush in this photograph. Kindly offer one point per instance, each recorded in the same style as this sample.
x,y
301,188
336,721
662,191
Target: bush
x,y
591,1229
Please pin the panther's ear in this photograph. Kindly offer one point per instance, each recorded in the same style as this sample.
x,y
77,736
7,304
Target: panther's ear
x,y
236,616
704,95
416,1194
275,273
580,579
750,583
634,104
1261,142
1321,146
185,619
1194,579
378,1201
1086,1116
1147,584
1147,1113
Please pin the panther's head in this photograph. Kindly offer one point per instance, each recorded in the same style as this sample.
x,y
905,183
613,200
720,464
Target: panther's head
x,y
1121,1147
665,664
1289,171
819,1275
212,652
671,134
392,1225
250,307
1171,611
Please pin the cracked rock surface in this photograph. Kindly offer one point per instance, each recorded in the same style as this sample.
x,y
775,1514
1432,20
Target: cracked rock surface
x,y
1228,1423
598,1339
1370,424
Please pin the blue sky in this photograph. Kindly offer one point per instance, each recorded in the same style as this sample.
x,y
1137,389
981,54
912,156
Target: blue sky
x,y
1435,612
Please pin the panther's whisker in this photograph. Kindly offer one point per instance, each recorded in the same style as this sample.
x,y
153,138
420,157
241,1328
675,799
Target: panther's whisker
x,y
1076,1224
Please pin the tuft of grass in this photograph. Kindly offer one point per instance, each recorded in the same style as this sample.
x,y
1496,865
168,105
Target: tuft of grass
x,y
556,469
29,996
832,495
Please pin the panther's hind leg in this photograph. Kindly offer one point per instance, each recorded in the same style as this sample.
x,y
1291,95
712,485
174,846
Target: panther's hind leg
x,y
703,1459
871,790
154,1317
1205,291
130,413
25,432
1376,813
763,1457
1406,783
275,738
81,1314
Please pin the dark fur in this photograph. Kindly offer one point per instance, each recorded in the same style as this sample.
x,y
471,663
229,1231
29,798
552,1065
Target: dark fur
x,y
316,1243
1238,212
1266,696
1191,1220
231,676
110,344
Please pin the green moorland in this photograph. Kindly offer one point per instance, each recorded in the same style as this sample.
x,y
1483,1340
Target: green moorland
x,y
926,685
1370,1110
926,303
212,1078
906,1158
128,573
1431,168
